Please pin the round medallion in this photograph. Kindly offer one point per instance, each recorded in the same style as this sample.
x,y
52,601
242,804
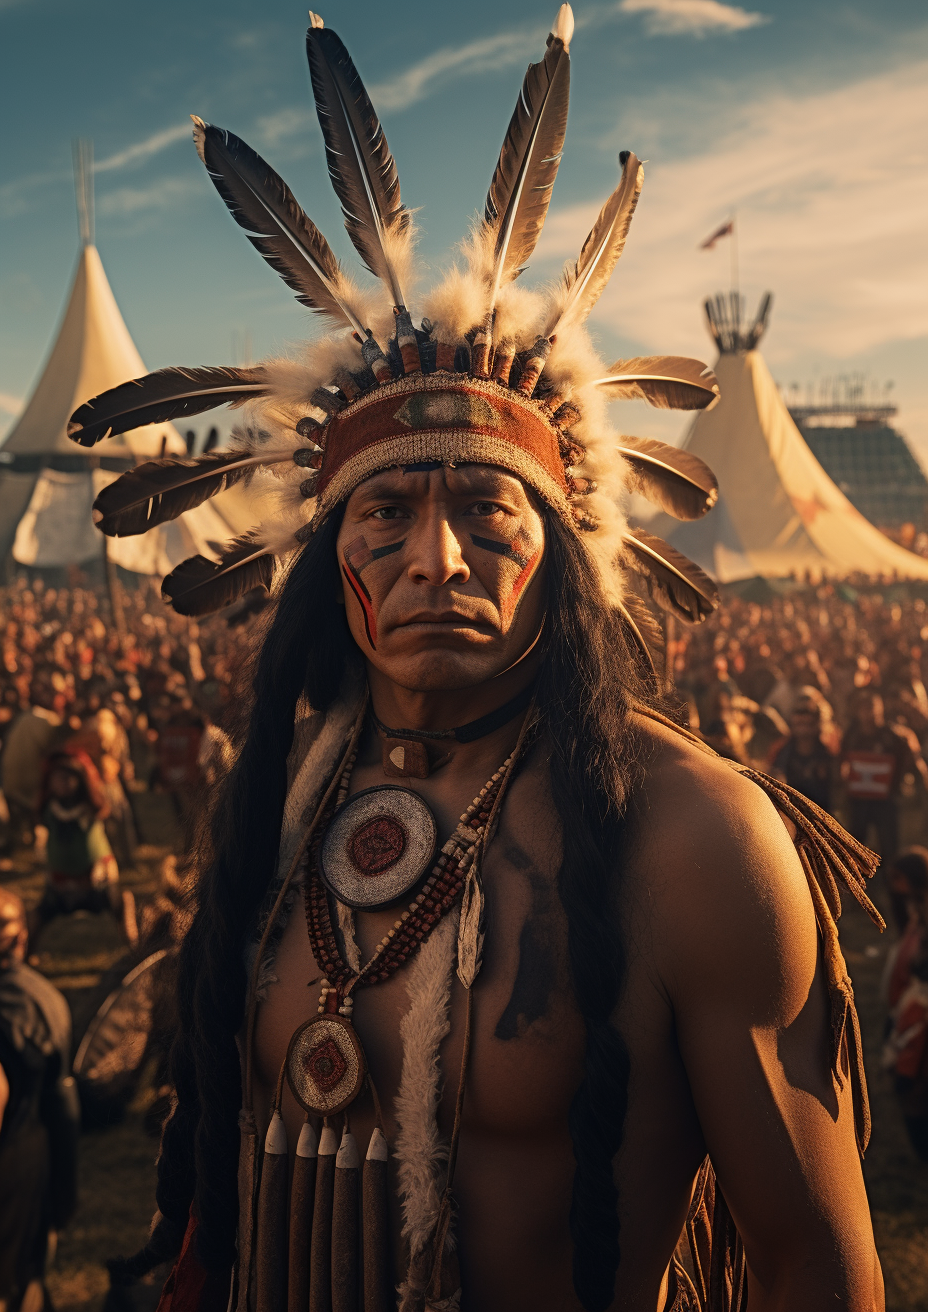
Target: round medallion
x,y
378,846
325,1065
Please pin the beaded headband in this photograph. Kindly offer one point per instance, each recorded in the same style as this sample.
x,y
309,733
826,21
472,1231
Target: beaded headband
x,y
493,374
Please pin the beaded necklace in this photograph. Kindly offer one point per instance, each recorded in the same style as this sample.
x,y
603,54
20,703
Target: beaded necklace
x,y
325,1063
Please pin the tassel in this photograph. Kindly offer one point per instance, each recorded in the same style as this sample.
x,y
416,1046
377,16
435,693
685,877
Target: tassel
x,y
271,1266
407,342
320,1266
377,1282
247,1155
302,1192
503,360
537,357
480,351
346,1285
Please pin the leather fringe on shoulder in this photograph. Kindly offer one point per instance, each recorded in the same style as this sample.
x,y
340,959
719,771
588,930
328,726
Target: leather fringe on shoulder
x,y
708,1272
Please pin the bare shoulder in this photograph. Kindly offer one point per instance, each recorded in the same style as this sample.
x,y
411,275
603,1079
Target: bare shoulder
x,y
715,868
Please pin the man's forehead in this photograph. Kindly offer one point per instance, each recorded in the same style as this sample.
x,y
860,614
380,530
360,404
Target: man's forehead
x,y
420,479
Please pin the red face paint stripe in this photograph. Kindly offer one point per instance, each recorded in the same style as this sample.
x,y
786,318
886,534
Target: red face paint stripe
x,y
518,587
364,600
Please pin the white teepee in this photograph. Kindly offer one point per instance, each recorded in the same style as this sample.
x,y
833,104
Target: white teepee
x,y
778,512
47,482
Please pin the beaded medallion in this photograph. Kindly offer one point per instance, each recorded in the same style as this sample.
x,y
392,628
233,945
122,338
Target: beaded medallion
x,y
325,1065
378,846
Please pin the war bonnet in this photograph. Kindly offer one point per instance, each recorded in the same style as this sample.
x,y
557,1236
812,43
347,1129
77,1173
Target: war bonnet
x,y
486,371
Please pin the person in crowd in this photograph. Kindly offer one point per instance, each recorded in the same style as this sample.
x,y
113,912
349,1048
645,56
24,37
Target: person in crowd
x,y
905,988
81,870
40,1117
875,759
33,735
804,761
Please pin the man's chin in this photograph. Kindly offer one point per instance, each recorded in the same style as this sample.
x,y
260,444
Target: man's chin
x,y
441,671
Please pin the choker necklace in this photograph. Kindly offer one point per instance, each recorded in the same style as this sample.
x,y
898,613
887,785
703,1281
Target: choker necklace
x,y
405,754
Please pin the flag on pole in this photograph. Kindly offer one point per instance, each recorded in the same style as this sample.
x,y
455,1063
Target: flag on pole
x,y
726,230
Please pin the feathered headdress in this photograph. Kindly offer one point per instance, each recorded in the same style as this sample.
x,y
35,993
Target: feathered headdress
x,y
491,373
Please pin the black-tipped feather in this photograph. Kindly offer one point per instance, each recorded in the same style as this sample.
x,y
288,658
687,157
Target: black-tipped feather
x,y
361,167
587,280
668,382
674,582
199,586
162,396
261,202
520,190
160,490
675,480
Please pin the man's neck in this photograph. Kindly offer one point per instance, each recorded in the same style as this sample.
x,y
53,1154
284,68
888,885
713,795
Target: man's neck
x,y
442,709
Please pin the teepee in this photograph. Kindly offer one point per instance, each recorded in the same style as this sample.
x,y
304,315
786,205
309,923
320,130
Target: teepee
x,y
47,483
778,512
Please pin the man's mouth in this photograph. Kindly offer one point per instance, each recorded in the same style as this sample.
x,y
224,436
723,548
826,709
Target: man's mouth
x,y
446,620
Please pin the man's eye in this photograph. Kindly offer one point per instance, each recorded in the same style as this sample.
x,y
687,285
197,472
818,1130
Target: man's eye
x,y
387,512
485,508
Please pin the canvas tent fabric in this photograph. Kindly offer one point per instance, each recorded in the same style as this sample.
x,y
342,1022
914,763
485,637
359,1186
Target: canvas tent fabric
x,y
92,352
778,513
48,483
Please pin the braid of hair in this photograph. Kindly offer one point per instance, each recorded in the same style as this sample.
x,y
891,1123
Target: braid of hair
x,y
584,695
305,652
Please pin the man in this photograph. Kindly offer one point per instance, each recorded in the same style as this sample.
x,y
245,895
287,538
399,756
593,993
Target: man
x,y
40,1119
875,759
611,968
804,761
35,733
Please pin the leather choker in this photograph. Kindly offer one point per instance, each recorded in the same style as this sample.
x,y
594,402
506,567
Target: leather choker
x,y
405,751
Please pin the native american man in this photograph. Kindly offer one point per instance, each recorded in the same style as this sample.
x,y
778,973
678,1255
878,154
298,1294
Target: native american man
x,y
612,1010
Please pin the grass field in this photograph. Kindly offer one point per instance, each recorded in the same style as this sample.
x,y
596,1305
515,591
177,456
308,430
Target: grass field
x,y
117,1163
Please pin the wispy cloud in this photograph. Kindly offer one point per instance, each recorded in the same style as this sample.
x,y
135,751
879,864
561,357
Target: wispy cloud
x,y
691,17
272,129
831,193
152,145
418,80
128,202
18,197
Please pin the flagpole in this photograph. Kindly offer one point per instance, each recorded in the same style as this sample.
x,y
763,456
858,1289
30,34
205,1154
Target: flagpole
x,y
734,255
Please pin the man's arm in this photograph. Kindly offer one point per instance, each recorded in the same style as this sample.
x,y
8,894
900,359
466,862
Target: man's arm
x,y
738,954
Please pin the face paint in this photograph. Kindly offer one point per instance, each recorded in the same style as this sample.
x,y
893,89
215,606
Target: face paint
x,y
520,552
358,556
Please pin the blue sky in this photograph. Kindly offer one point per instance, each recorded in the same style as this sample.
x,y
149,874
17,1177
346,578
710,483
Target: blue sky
x,y
808,118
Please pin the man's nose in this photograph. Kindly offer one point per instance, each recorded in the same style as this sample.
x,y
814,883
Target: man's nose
x,y
436,556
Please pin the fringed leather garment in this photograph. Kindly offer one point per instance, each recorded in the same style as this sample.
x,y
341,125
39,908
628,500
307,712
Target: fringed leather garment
x,y
708,1270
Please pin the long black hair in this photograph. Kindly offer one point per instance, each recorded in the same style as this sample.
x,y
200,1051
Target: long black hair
x,y
589,679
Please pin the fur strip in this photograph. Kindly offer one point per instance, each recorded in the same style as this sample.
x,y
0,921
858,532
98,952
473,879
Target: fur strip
x,y
420,1150
318,743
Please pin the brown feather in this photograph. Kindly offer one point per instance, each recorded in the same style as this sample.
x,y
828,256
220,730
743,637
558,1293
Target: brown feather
x,y
520,190
674,582
668,382
675,480
586,281
361,167
159,490
261,202
162,396
199,586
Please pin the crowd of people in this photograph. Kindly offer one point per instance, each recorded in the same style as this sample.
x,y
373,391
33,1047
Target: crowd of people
x,y
823,687
99,705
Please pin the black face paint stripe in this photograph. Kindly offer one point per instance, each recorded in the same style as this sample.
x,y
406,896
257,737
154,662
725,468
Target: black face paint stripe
x,y
422,467
500,548
378,553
